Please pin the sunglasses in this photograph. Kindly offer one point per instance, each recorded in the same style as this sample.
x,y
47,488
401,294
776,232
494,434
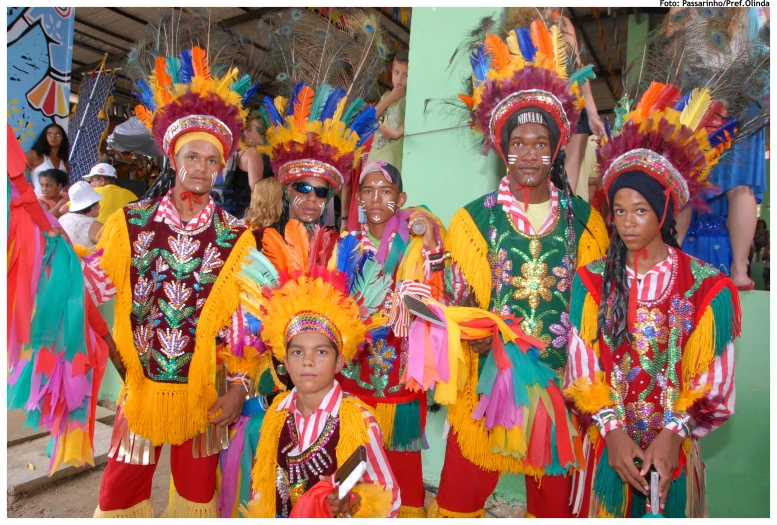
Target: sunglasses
x,y
304,189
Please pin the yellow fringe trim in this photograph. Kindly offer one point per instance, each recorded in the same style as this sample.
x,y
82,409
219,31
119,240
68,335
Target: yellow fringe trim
x,y
385,413
469,250
590,397
411,512
248,364
589,323
353,433
689,397
144,509
180,507
435,511
474,440
698,352
375,501
593,245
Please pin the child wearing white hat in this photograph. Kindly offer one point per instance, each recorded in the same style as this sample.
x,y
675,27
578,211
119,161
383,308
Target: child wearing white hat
x,y
80,222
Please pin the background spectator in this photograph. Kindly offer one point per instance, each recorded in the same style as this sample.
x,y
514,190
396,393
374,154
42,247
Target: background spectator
x,y
52,183
102,178
266,204
81,223
50,151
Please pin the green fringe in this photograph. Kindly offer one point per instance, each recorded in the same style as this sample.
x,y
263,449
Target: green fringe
x,y
266,384
638,507
555,468
608,487
407,424
723,312
577,301
678,495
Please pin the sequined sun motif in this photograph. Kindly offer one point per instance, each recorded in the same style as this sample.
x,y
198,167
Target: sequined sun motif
x,y
382,356
561,331
534,283
644,422
500,270
563,274
650,328
681,314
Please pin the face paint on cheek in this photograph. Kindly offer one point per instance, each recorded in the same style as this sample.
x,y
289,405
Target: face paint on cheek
x,y
214,176
182,174
511,159
297,201
392,206
545,160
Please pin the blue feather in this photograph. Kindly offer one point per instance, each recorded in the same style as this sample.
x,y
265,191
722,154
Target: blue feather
x,y
187,71
174,68
348,256
365,124
144,94
272,111
331,104
718,136
683,101
481,63
317,108
250,93
607,127
528,49
294,97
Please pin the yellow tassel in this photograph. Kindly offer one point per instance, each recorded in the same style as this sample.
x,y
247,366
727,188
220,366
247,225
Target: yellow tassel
x,y
435,511
589,323
385,415
590,398
375,501
469,250
689,397
353,427
411,512
594,241
179,507
144,509
248,364
699,352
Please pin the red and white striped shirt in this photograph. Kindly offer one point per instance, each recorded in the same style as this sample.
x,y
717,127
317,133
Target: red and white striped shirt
x,y
515,209
310,428
719,378
168,213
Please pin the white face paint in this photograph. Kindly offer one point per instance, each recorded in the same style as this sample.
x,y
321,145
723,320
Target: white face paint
x,y
182,174
545,160
375,218
213,177
511,159
392,206
297,201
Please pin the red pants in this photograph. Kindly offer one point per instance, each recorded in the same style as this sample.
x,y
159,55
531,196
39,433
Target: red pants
x,y
408,471
124,486
465,487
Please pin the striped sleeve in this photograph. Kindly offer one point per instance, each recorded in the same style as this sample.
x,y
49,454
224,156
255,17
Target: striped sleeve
x,y
378,469
98,285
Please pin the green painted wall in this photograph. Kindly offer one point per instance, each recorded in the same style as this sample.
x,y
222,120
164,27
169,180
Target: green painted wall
x,y
442,169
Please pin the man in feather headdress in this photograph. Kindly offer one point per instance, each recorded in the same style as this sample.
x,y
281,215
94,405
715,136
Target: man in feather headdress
x,y
172,261
518,249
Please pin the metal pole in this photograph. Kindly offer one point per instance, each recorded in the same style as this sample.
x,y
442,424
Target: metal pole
x,y
88,104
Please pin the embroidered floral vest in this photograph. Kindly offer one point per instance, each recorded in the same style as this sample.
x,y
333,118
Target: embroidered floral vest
x,y
645,376
172,272
529,273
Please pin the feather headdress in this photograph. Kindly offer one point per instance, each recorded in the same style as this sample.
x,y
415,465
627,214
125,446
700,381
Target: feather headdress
x,y
326,284
526,69
318,129
674,139
182,88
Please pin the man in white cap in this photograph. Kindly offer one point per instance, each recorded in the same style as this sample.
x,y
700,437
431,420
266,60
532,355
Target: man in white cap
x,y
103,179
81,223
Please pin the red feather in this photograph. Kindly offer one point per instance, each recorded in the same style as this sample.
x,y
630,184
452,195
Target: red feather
x,y
715,117
302,107
667,98
321,245
498,51
164,81
542,40
200,63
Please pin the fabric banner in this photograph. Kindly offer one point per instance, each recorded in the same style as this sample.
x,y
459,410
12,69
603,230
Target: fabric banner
x,y
89,125
40,55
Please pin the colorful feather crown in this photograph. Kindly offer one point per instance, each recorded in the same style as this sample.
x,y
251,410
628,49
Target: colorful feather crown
x,y
326,284
674,139
181,96
315,134
527,69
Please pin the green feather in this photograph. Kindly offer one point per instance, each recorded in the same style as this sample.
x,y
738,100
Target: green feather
x,y
621,110
582,75
259,269
319,101
241,85
354,109
370,286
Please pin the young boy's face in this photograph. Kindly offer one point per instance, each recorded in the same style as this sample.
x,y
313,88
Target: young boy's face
x,y
381,199
312,362
399,74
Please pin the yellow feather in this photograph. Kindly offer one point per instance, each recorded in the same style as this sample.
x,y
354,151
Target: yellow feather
x,y
560,51
340,109
512,43
696,108
280,104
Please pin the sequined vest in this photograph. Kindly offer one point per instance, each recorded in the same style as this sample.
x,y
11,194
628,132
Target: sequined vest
x,y
645,375
296,474
530,275
172,272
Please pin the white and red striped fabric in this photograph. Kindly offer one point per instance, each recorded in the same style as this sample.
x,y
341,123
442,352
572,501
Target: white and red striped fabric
x,y
97,284
168,214
363,238
514,208
309,429
583,362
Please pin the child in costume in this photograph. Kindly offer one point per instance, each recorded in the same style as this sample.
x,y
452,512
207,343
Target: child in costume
x,y
172,261
518,249
416,265
651,352
317,303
